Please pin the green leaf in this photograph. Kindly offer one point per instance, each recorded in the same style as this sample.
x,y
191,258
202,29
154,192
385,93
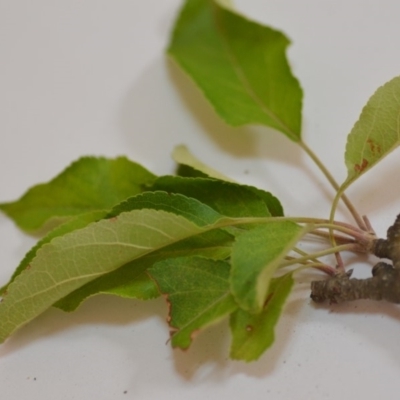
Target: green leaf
x,y
183,156
252,334
240,66
273,204
376,133
197,290
87,184
131,281
256,256
77,222
190,208
191,167
127,282
70,261
230,199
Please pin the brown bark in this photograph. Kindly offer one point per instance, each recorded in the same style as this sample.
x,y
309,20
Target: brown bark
x,y
383,285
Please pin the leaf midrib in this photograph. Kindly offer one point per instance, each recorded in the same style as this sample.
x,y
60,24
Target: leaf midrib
x,y
243,79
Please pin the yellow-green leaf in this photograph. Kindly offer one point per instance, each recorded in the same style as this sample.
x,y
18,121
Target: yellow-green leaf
x,y
376,133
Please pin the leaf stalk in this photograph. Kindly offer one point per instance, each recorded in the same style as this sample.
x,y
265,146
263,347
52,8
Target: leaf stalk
x,y
331,250
357,218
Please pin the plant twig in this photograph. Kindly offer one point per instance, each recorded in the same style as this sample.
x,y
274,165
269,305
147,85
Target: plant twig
x,y
384,285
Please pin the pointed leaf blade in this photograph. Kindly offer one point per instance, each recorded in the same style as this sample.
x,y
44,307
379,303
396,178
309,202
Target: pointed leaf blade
x,y
240,66
253,334
376,133
198,293
87,184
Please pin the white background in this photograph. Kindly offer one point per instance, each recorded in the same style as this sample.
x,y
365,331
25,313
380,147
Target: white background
x,y
90,77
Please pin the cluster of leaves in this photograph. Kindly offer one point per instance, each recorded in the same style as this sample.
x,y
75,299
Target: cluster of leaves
x,y
216,249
